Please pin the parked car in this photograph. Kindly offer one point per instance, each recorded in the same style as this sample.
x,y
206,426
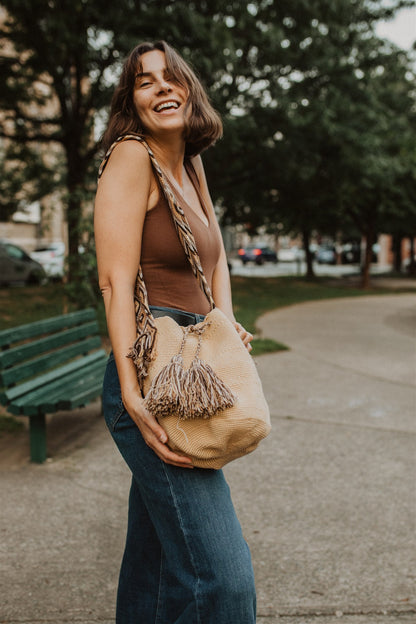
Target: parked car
x,y
291,254
259,254
51,257
326,254
16,266
351,253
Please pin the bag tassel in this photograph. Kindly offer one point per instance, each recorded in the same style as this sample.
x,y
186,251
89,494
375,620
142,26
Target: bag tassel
x,y
204,393
195,393
163,396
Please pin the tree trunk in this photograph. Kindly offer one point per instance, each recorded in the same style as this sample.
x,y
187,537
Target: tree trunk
x,y
397,252
412,263
368,254
310,274
75,183
74,211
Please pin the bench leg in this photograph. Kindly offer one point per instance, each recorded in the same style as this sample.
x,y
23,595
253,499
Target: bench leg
x,y
37,432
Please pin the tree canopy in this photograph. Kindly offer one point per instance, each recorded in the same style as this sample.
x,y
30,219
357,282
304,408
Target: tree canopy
x,y
318,112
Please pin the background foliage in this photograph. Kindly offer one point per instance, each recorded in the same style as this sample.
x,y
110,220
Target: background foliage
x,y
319,113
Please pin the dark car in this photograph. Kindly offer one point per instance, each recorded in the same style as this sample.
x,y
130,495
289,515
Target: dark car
x,y
257,253
351,253
16,266
326,254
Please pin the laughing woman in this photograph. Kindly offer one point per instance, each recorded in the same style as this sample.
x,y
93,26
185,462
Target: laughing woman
x,y
185,559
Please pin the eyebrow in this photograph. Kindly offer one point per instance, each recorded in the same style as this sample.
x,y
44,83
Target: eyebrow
x,y
143,74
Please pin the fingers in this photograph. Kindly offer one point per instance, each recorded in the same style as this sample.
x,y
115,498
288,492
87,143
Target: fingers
x,y
156,438
168,456
245,336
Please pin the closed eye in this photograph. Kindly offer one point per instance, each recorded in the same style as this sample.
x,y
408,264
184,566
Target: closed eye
x,y
171,78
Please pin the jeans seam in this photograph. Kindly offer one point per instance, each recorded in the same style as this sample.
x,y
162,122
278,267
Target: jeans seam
x,y
159,594
118,416
199,621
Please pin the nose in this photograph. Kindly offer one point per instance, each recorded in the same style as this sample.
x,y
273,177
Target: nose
x,y
164,85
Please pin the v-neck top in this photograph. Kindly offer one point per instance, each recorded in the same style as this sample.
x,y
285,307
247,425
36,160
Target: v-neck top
x,y
166,270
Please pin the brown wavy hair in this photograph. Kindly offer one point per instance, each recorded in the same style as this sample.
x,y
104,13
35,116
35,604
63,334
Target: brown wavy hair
x,y
203,126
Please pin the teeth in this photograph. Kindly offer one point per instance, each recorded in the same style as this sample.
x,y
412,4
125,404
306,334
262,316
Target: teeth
x,y
166,105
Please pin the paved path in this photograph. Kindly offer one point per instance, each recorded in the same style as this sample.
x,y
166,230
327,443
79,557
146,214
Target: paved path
x,y
327,504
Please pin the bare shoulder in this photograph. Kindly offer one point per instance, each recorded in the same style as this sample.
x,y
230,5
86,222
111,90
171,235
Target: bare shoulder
x,y
126,183
129,161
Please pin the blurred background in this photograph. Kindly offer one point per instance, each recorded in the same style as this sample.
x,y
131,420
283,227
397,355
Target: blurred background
x,y
317,167
314,184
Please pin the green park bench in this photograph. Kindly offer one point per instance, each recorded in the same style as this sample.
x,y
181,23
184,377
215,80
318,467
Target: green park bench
x,y
50,365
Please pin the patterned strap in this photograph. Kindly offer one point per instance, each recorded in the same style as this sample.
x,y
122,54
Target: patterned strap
x,y
142,351
180,221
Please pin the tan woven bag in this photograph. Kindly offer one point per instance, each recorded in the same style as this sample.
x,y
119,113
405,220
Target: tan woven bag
x,y
199,381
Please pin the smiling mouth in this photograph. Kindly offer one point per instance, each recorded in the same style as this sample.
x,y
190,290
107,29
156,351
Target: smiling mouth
x,y
170,105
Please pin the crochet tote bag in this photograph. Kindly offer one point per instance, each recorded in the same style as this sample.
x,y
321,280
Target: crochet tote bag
x,y
199,381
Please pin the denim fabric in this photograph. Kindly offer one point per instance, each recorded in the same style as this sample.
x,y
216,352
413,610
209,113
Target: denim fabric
x,y
185,559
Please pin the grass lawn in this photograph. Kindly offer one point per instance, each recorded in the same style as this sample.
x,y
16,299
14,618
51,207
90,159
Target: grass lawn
x,y
25,304
251,296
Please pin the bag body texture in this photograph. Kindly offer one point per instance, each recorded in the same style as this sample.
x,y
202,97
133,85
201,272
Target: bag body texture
x,y
230,433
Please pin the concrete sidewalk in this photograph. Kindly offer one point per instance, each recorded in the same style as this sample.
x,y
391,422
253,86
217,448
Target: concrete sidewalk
x,y
327,504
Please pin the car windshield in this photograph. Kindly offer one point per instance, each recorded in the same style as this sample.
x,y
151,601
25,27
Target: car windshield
x,y
15,252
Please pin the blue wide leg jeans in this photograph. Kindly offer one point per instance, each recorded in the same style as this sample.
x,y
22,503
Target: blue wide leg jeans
x,y
185,559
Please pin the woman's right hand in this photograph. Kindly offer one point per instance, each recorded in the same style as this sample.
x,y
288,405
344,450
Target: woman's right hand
x,y
153,434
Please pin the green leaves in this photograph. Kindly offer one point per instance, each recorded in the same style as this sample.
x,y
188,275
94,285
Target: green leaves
x,y
318,112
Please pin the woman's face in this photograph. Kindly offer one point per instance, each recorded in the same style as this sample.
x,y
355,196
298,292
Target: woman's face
x,y
159,99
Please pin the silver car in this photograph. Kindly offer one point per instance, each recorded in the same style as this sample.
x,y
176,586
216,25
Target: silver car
x,y
52,257
17,267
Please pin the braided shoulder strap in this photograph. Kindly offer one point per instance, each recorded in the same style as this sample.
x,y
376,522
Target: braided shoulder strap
x,y
142,351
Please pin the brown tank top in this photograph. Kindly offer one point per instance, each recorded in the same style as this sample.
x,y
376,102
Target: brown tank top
x,y
167,273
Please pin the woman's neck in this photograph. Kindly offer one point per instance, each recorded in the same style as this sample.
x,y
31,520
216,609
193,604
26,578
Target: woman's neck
x,y
170,155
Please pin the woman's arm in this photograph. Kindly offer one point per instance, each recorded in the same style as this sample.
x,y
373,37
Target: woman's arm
x,y
120,209
221,286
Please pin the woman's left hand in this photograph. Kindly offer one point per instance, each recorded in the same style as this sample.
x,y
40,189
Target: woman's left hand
x,y
245,336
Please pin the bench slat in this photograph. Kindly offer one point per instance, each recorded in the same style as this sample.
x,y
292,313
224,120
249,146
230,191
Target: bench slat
x,y
83,397
81,394
50,365
46,397
9,395
36,347
31,330
45,362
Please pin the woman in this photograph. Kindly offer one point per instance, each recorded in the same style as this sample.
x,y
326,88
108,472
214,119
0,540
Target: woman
x,y
185,560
